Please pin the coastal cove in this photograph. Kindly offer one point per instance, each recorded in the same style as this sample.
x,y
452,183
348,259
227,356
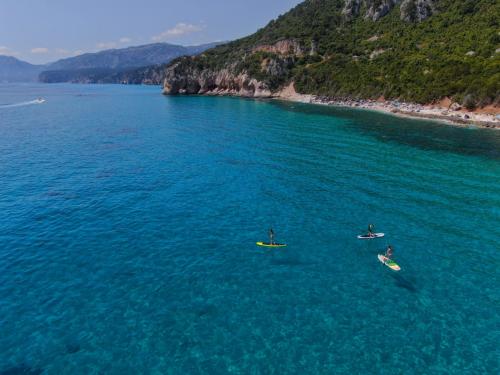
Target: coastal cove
x,y
489,118
434,59
129,222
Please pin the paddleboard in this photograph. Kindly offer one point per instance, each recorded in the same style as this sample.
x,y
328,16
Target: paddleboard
x,y
266,244
367,237
389,263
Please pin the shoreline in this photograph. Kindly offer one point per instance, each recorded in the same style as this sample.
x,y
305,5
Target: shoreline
x,y
436,112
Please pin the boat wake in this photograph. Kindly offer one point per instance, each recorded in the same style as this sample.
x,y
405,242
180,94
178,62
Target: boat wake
x,y
22,104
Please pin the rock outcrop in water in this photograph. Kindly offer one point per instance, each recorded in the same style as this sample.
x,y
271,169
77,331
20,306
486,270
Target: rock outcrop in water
x,y
357,49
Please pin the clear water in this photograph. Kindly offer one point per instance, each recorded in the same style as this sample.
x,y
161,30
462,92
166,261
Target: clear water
x,y
129,220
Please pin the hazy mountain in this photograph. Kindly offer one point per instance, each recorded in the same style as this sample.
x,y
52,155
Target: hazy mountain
x,y
102,66
106,66
130,57
14,70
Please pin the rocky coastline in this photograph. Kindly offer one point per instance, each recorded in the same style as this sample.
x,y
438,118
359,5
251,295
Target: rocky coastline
x,y
454,114
243,86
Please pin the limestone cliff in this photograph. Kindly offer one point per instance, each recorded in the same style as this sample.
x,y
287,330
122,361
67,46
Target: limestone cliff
x,y
417,10
222,82
411,10
186,77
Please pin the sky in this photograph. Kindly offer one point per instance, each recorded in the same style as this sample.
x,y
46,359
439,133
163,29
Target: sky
x,y
41,31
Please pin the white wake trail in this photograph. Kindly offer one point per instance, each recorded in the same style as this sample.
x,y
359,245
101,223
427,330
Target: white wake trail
x,y
22,104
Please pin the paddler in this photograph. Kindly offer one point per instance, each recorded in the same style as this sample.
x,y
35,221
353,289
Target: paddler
x,y
371,230
271,236
389,252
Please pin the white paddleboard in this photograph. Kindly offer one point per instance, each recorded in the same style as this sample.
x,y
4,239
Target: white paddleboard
x,y
372,237
389,263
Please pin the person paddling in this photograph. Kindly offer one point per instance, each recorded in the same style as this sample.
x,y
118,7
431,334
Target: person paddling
x,y
271,236
389,252
272,242
371,230
370,234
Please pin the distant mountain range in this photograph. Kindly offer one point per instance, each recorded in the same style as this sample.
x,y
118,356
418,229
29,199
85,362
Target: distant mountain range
x,y
131,57
103,66
14,70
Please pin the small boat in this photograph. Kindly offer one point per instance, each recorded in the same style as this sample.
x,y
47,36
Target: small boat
x,y
40,100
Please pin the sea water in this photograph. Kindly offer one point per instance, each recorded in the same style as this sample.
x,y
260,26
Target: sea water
x,y
128,223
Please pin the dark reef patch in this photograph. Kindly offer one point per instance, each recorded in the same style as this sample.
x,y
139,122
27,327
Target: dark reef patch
x,y
72,348
21,370
404,283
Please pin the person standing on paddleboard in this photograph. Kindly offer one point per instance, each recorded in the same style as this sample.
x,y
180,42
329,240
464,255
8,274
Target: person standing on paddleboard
x,y
389,252
271,236
371,230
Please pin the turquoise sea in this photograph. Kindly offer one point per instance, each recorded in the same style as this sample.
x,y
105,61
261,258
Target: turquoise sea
x,y
128,223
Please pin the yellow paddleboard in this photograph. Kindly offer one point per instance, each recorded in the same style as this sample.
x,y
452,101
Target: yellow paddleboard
x,y
266,244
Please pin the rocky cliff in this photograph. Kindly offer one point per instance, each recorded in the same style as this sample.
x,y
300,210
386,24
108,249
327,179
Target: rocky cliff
x,y
215,82
414,50
410,10
187,76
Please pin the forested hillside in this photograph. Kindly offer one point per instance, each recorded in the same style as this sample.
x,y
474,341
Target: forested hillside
x,y
413,50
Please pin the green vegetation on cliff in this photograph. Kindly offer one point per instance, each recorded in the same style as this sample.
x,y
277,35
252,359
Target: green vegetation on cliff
x,y
420,54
